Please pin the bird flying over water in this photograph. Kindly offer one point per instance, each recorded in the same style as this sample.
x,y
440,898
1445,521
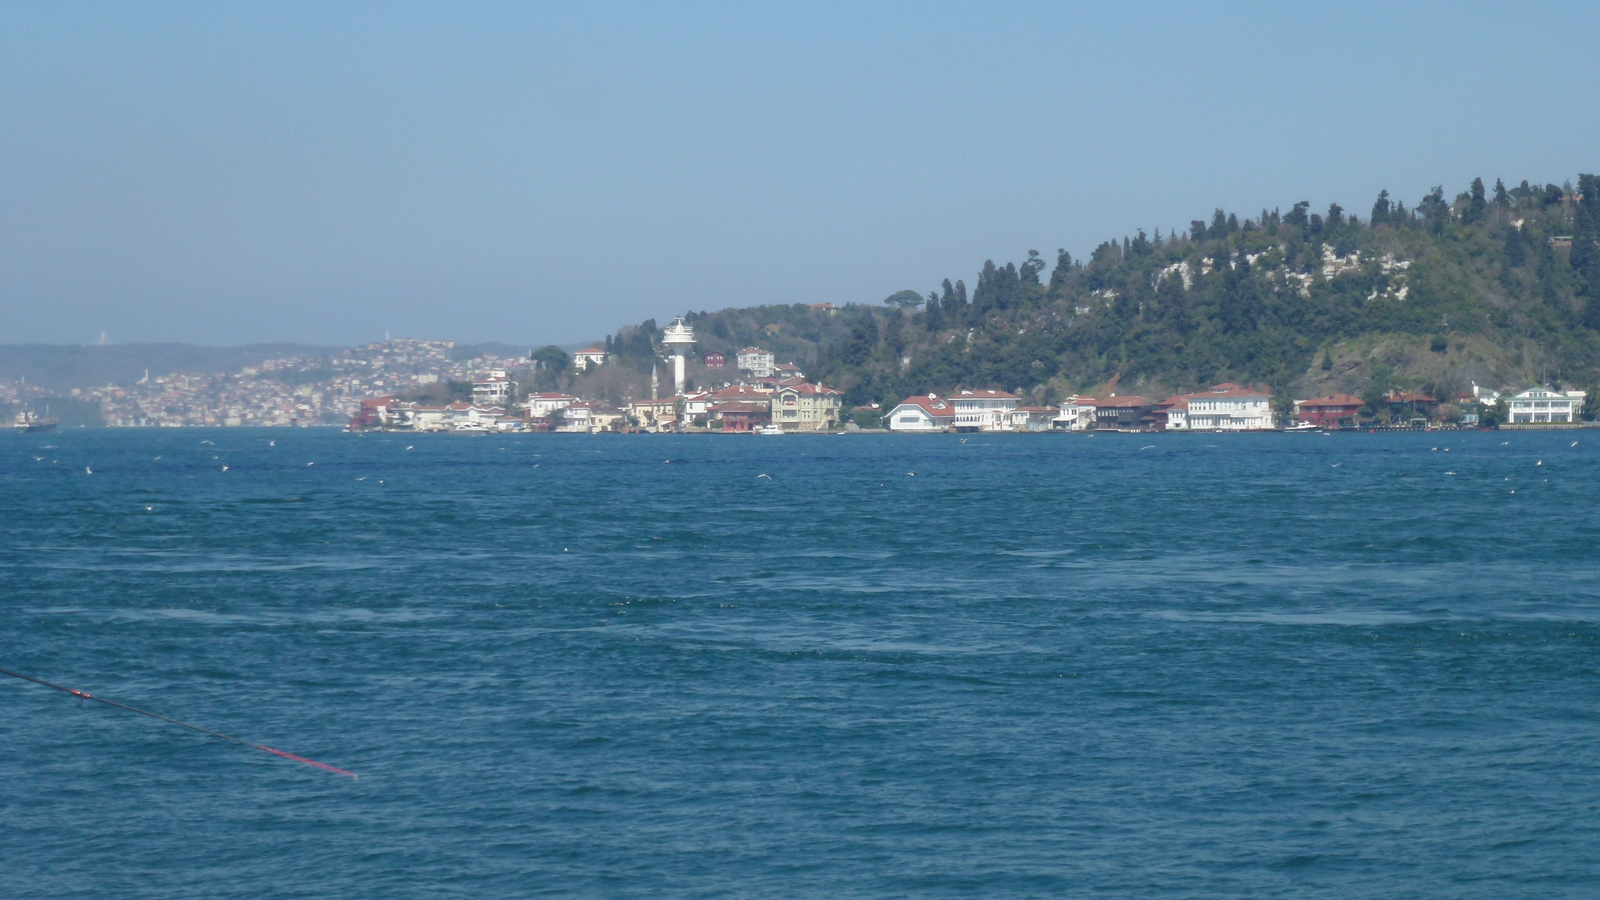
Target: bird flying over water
x,y
88,471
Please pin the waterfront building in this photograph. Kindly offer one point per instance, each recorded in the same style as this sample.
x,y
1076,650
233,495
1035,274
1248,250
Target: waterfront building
x,y
983,410
741,415
1032,418
806,407
929,413
1332,411
1076,414
1225,407
1119,413
540,406
1544,405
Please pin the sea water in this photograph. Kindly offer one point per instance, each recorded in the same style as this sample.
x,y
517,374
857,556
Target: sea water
x,y
1276,665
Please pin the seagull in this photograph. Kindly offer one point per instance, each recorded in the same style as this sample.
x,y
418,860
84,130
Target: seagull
x,y
1513,490
362,478
1335,465
41,459
272,443
911,474
1574,443
1150,447
1539,463
224,468
765,475
310,463
1449,473
157,459
408,446
212,443
149,508
88,471
1504,443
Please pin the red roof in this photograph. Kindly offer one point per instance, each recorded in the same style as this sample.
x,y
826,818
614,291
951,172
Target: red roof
x,y
805,387
1332,400
738,406
934,406
985,394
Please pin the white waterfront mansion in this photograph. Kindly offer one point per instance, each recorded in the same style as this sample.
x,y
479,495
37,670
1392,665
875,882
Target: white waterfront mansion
x,y
983,410
1225,407
1543,405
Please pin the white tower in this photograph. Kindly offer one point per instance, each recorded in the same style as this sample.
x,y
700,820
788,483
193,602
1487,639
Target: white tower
x,y
678,337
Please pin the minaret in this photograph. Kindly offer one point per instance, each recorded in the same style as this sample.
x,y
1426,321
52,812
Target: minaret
x,y
654,383
678,337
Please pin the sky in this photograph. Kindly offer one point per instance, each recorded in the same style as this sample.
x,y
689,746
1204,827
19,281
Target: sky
x,y
230,173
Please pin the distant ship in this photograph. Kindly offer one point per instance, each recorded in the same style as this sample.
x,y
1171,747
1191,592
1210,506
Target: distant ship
x,y
28,422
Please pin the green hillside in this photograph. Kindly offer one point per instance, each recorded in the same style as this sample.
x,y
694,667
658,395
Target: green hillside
x,y
1498,286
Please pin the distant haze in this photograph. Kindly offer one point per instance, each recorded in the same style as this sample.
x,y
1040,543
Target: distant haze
x,y
236,173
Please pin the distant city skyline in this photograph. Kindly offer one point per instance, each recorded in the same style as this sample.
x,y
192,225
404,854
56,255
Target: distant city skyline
x,y
323,175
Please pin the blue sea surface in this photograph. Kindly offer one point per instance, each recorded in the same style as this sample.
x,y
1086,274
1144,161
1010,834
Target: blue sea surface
x,y
1141,666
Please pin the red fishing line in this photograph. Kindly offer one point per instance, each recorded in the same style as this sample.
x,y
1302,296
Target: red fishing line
x,y
84,695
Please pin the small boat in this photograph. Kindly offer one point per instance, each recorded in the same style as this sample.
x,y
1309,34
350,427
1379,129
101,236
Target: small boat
x,y
768,429
1301,427
471,428
28,423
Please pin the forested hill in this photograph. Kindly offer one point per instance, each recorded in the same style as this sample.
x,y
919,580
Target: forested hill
x,y
1498,286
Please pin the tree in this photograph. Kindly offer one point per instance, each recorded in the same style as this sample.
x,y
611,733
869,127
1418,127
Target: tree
x,y
1476,204
904,299
1380,209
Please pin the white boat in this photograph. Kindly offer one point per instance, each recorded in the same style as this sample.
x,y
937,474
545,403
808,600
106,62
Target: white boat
x,y
471,428
1302,427
768,429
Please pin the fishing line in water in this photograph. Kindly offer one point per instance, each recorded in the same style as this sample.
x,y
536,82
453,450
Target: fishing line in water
x,y
84,695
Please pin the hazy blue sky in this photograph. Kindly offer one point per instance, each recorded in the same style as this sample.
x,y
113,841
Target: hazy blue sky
x,y
229,173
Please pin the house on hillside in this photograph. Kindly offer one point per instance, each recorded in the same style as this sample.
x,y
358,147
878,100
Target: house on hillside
x,y
492,391
714,359
589,357
756,361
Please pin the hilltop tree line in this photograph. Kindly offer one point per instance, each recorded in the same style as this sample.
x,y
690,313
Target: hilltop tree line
x,y
1272,298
